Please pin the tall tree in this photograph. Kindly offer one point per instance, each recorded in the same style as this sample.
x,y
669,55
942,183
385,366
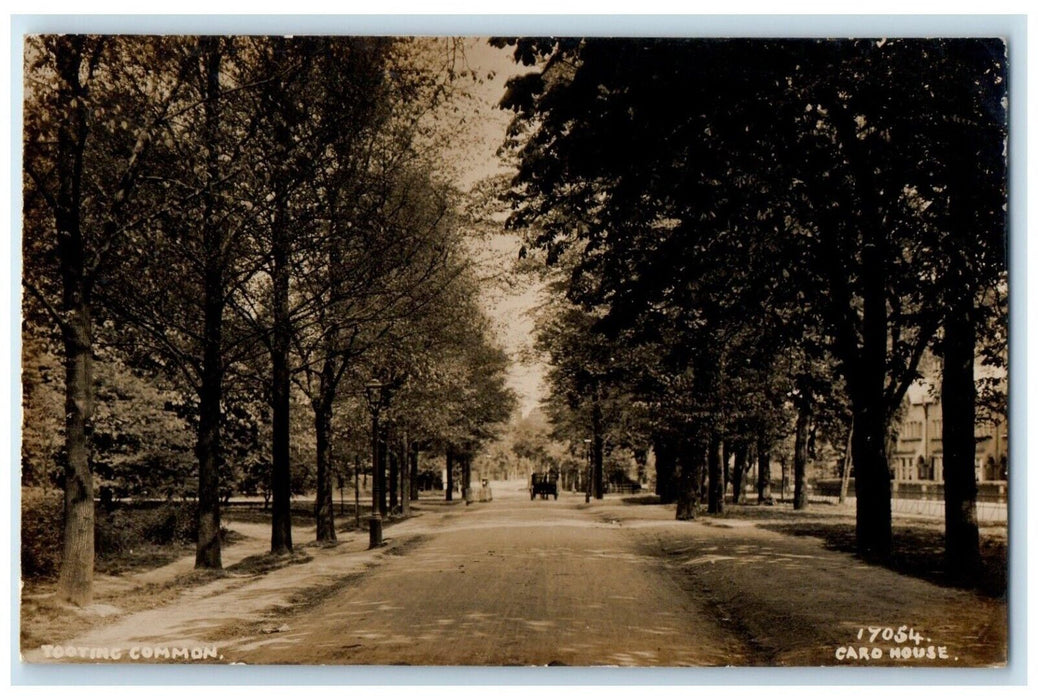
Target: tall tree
x,y
88,133
346,94
354,224
881,119
961,188
175,318
812,150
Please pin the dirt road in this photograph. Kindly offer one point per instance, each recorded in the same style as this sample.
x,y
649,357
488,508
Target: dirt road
x,y
520,582
507,583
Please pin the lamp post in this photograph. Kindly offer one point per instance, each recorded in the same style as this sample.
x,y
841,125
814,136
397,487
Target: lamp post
x,y
373,390
587,453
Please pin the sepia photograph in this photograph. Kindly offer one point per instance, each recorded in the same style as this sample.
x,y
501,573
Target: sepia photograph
x,y
514,351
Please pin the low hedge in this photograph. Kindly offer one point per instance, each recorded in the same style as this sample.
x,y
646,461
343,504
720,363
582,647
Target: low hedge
x,y
116,531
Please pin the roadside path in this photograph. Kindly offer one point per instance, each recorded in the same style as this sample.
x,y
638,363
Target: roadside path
x,y
194,614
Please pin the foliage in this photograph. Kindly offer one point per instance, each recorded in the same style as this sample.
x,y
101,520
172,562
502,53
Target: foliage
x,y
142,446
122,529
42,408
119,531
208,218
752,218
41,528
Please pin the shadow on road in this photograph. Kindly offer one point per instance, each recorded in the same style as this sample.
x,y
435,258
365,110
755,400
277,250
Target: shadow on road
x,y
918,552
918,542
645,499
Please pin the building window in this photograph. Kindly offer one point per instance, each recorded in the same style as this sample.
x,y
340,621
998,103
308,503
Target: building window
x,y
911,430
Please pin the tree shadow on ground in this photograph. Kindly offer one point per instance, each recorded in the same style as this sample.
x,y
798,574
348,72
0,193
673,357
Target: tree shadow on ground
x,y
918,552
779,510
259,564
644,499
140,559
918,542
302,515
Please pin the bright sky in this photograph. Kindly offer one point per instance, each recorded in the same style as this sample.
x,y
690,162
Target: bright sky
x,y
509,302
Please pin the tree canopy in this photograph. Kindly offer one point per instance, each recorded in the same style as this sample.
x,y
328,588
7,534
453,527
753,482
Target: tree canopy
x,y
779,206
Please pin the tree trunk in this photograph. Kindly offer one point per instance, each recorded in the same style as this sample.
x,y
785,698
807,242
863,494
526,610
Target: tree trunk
x,y
414,470
394,478
739,473
805,404
323,505
466,478
450,474
715,475
597,450
333,366
666,469
405,477
641,457
208,444
690,469
871,483
872,475
958,397
763,470
281,475
75,579
845,476
726,470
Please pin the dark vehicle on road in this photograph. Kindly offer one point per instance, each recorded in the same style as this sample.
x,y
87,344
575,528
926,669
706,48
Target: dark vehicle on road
x,y
544,484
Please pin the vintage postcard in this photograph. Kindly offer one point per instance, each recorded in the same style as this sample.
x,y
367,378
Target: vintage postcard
x,y
515,351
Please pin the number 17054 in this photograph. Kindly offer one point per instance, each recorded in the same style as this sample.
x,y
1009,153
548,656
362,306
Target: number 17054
x,y
902,634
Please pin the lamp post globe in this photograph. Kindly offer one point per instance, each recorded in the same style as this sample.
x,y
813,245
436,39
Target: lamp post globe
x,y
373,392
